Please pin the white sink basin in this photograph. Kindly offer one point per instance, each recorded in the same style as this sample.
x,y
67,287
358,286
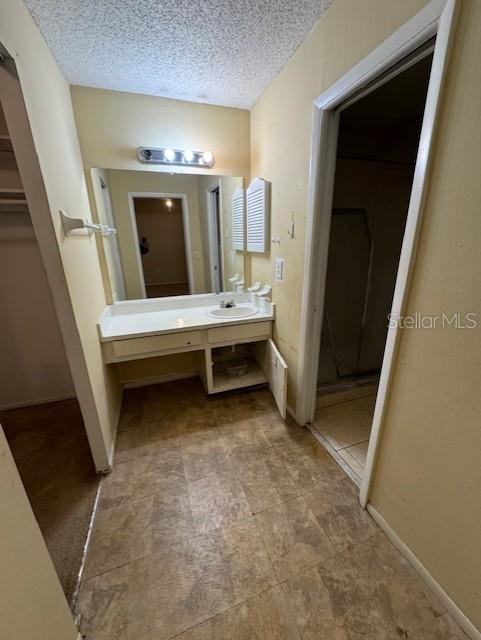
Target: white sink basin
x,y
232,312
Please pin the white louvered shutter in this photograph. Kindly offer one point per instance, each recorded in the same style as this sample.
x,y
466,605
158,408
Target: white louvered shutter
x,y
238,219
257,198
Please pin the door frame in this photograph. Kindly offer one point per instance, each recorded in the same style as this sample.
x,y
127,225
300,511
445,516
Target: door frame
x,y
44,224
436,19
212,235
114,262
185,222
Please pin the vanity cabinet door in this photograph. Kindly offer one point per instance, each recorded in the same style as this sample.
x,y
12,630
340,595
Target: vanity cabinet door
x,y
277,377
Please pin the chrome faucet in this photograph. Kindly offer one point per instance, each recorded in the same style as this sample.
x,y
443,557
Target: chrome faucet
x,y
227,304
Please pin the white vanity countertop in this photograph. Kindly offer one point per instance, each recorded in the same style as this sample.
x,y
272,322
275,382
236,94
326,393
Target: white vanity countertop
x,y
155,316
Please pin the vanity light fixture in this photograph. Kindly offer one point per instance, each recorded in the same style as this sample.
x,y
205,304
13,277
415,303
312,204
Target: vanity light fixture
x,y
179,157
208,158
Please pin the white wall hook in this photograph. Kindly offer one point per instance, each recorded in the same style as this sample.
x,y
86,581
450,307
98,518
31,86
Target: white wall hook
x,y
70,224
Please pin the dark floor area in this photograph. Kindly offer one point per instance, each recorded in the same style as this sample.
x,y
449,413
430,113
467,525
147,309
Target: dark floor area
x,y
52,454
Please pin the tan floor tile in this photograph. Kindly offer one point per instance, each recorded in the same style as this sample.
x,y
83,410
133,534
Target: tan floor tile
x,y
153,434
141,477
195,419
324,399
443,628
119,535
359,451
216,500
239,550
130,419
310,466
172,590
368,403
338,512
204,457
178,510
368,591
286,433
247,435
238,408
264,479
102,603
345,424
292,537
263,617
355,457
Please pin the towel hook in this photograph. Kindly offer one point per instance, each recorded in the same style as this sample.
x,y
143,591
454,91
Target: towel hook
x,y
70,224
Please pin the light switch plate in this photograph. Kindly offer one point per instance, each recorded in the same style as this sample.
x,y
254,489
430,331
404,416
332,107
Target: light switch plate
x,y
279,269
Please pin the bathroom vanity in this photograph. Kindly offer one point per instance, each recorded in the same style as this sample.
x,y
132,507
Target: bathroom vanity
x,y
136,329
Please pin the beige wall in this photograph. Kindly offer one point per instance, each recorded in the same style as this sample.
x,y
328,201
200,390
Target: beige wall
x,y
34,366
433,499
111,125
33,605
124,182
427,484
281,120
49,107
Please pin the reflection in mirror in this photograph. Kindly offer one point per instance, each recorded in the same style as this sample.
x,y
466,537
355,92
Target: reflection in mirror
x,y
176,234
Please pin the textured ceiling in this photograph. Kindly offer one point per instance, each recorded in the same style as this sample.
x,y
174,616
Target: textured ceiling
x,y
222,52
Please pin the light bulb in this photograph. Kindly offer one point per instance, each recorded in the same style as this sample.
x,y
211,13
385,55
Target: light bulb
x,y
207,157
169,155
188,155
168,204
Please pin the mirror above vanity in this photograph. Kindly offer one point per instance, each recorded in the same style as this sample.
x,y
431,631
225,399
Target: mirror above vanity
x,y
177,234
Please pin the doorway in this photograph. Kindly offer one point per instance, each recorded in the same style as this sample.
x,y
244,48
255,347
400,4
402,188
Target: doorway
x,y
214,224
411,43
163,241
376,155
39,411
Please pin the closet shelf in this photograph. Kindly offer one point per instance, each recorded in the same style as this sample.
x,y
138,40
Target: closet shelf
x,y
12,205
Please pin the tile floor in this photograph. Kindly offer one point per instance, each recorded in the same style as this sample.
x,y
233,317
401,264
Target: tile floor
x,y
222,522
346,425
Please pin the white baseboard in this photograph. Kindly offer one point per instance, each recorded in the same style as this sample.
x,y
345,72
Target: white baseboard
x,y
114,439
34,403
451,607
291,412
169,377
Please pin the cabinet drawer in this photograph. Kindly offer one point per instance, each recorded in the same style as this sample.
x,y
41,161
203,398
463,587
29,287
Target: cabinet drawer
x,y
240,332
168,341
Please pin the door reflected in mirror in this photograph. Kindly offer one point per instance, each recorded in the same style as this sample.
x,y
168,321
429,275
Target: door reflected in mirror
x,y
176,234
